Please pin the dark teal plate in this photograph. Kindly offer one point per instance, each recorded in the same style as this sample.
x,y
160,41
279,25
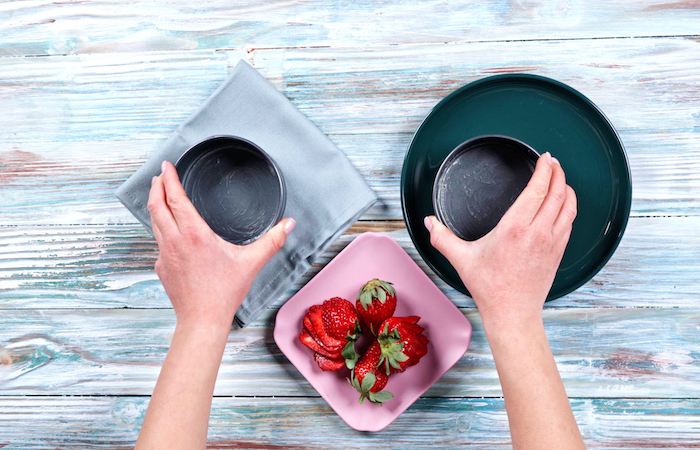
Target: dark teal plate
x,y
550,117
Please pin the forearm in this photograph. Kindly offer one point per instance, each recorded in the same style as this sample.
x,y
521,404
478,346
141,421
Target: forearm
x,y
178,414
539,412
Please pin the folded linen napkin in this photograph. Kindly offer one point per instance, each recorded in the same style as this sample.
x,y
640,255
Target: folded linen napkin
x,y
325,193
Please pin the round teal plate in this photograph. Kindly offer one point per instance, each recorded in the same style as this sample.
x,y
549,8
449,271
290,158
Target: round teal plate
x,y
551,117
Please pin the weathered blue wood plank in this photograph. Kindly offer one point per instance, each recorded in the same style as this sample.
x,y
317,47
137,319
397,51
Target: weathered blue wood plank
x,y
634,81
73,183
44,27
308,423
657,264
73,128
76,127
601,353
353,91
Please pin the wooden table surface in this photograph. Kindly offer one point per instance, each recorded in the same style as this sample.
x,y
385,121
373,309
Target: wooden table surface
x,y
90,89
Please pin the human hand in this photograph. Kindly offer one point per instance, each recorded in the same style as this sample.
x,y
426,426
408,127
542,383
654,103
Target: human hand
x,y
205,277
510,271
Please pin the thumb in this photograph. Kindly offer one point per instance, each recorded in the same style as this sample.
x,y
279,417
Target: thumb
x,y
444,240
264,248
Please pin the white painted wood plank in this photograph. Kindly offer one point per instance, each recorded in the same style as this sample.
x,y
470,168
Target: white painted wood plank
x,y
309,423
634,81
71,183
656,264
77,126
354,91
44,27
601,353
74,128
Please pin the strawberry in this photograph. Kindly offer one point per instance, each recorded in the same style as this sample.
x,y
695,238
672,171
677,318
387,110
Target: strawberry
x,y
315,316
310,342
309,329
376,302
340,319
402,343
367,379
330,330
327,364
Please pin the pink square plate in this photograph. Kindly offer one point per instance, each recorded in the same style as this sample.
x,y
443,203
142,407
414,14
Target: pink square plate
x,y
369,256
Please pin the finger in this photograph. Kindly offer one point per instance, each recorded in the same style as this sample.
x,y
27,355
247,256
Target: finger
x,y
156,232
567,214
529,201
549,211
161,216
270,243
186,216
444,240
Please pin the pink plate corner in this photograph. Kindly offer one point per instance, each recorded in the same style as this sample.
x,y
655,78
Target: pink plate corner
x,y
373,255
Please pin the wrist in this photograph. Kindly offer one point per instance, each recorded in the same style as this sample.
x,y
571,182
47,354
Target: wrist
x,y
203,329
210,313
508,318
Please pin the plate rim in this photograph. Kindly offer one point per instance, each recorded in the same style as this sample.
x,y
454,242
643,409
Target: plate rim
x,y
460,287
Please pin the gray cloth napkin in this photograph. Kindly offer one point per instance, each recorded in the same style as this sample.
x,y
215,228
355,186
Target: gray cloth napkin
x,y
325,193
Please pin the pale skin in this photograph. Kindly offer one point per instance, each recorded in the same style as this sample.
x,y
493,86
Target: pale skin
x,y
206,279
508,272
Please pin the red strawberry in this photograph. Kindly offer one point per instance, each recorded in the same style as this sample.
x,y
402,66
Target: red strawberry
x,y
315,315
367,379
309,328
376,302
402,343
310,342
330,349
327,364
340,319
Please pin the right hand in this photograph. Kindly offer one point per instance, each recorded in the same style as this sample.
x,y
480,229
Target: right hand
x,y
205,277
510,271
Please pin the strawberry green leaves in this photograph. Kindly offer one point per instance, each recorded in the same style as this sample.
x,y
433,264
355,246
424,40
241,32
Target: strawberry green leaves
x,y
375,289
392,349
380,397
402,343
376,301
365,386
350,355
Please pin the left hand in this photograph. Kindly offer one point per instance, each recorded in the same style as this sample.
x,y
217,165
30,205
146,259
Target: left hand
x,y
205,277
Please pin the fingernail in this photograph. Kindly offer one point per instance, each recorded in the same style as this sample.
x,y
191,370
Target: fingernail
x,y
549,157
289,226
428,224
162,167
153,180
556,161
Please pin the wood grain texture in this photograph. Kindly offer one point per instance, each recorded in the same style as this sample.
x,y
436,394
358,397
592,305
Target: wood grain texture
x,y
107,81
657,264
366,90
77,126
74,183
308,423
601,353
42,27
